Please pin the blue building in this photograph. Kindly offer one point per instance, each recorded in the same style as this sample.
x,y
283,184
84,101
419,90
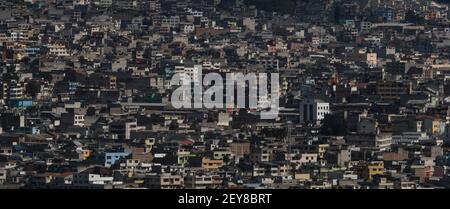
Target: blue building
x,y
17,103
73,86
32,51
112,157
387,13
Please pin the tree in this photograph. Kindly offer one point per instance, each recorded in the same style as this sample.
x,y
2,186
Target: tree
x,y
412,17
279,6
173,125
333,125
279,133
443,1
226,159
33,88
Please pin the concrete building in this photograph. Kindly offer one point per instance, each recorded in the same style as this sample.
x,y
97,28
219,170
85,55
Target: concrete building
x,y
313,110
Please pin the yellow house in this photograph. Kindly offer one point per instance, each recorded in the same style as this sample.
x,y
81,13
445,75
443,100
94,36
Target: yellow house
x,y
372,169
208,163
436,127
302,176
86,154
432,125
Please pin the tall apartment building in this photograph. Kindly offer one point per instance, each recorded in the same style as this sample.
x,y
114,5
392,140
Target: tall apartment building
x,y
313,110
392,90
154,7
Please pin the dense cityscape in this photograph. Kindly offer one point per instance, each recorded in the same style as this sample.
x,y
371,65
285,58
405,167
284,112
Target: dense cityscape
x,y
85,94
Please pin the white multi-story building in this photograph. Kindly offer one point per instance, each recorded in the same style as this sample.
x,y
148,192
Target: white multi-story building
x,y
103,3
190,73
313,110
409,137
78,120
88,179
188,28
58,50
81,2
306,158
16,91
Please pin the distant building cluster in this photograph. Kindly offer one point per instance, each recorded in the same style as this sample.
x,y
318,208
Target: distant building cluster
x,y
85,94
